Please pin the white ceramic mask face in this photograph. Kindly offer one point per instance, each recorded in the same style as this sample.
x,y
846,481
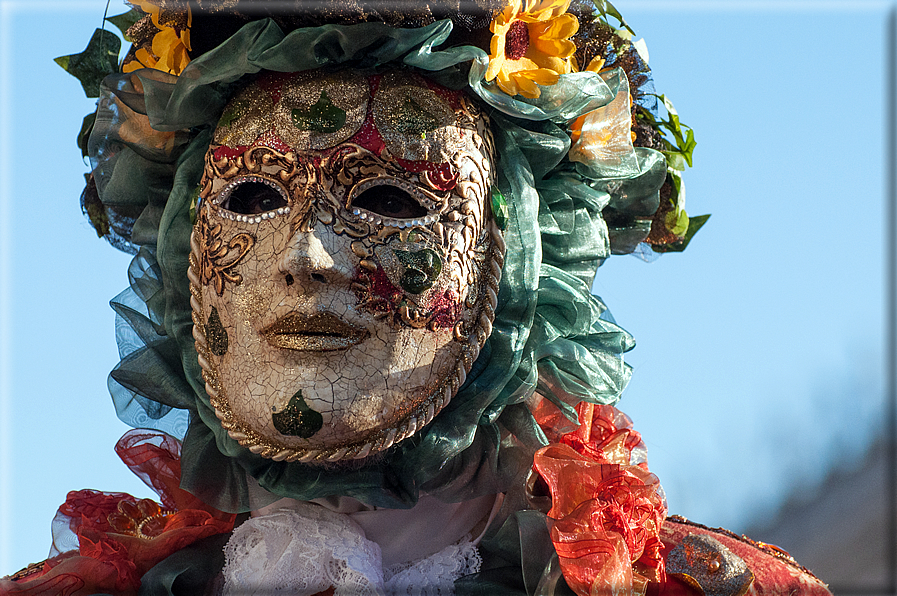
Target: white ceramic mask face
x,y
345,261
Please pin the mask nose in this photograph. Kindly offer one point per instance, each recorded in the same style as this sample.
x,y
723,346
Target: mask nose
x,y
315,257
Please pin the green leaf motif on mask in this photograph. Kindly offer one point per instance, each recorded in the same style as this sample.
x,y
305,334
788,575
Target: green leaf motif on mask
x,y
297,419
323,117
91,66
414,120
231,115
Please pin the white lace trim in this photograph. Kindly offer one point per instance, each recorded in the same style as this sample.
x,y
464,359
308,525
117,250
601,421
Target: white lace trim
x,y
301,551
307,549
435,575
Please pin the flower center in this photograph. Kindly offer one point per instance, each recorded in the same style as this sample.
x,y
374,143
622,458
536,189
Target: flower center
x,y
516,40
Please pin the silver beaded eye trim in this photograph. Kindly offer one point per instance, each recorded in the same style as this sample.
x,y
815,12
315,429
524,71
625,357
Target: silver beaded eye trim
x,y
377,219
226,192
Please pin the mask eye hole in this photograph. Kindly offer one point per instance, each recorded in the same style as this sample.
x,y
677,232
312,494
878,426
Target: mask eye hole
x,y
389,201
252,196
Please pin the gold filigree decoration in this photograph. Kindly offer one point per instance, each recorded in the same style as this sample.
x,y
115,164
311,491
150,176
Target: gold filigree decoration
x,y
459,228
409,420
218,259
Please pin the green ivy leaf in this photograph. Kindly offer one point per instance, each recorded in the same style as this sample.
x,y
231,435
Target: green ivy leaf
x,y
84,135
690,145
99,59
675,160
683,144
695,223
124,21
606,8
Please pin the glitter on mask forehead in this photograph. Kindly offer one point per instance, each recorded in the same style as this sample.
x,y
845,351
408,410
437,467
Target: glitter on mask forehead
x,y
323,117
245,118
412,119
321,111
415,123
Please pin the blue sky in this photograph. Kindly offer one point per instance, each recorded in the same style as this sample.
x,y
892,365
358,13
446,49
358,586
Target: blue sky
x,y
760,355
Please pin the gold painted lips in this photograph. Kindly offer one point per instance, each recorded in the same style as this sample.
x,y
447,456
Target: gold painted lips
x,y
322,332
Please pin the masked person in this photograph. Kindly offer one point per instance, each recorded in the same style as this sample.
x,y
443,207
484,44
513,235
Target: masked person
x,y
364,355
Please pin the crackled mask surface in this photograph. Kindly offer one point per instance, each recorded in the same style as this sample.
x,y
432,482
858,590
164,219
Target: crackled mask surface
x,y
345,262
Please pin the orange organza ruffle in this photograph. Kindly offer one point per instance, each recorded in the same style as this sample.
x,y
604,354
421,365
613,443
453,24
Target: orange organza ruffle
x,y
607,508
121,537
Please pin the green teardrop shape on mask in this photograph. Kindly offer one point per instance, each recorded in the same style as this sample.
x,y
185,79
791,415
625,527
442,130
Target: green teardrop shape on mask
x,y
297,419
422,268
216,334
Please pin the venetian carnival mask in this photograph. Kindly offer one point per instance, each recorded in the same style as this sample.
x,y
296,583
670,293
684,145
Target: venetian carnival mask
x,y
344,262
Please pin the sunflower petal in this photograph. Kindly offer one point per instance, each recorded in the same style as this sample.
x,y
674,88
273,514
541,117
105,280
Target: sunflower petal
x,y
562,27
540,59
527,88
507,85
185,38
596,64
555,48
543,76
162,42
495,65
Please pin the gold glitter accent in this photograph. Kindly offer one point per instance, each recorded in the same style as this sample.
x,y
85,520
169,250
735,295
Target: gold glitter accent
x,y
301,96
319,332
215,266
252,302
247,117
415,123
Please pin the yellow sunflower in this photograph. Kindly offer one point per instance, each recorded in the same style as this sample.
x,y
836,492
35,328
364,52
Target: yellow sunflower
x,y
531,45
170,45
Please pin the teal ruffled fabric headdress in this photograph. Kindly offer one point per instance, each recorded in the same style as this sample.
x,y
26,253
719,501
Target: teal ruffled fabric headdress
x,y
551,337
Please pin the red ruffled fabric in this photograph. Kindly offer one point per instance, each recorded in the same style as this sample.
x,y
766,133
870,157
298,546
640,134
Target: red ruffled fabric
x,y
608,509
120,537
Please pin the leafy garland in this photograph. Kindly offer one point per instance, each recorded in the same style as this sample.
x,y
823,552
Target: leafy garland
x,y
162,42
